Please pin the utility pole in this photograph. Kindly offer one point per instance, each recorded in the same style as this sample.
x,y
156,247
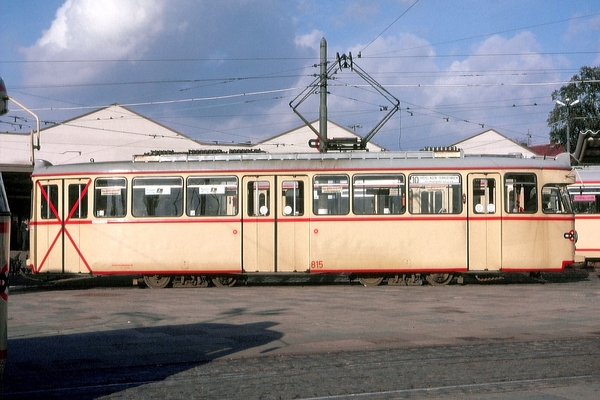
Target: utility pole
x,y
568,104
323,98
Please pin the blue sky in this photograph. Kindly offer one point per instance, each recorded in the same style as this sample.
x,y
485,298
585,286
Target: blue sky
x,y
226,71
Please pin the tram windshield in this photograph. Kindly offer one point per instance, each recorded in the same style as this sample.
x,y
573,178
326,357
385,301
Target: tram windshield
x,y
555,199
586,200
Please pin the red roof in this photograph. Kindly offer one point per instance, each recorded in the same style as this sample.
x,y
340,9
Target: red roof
x,y
551,150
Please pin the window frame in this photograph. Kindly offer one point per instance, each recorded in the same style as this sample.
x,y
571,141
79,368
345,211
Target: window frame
x,y
368,189
112,187
443,189
154,192
215,184
339,189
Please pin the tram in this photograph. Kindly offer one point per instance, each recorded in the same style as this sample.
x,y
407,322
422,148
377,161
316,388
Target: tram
x,y
585,196
402,217
5,264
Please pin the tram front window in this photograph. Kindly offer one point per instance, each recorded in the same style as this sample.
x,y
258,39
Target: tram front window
x,y
585,200
555,199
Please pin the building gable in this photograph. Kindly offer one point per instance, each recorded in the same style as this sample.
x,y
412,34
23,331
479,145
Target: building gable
x,y
492,142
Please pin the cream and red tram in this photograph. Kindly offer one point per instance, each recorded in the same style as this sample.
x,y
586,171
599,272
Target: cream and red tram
x,y
191,219
585,196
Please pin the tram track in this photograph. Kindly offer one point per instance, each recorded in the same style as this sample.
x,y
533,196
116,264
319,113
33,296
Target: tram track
x,y
420,372
305,342
473,389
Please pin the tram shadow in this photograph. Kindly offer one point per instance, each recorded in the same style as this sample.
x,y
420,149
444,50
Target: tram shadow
x,y
25,283
89,365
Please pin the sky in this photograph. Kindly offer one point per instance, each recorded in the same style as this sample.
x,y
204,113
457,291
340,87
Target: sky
x,y
227,71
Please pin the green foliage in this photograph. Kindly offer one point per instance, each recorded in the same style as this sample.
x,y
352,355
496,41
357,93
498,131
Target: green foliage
x,y
582,116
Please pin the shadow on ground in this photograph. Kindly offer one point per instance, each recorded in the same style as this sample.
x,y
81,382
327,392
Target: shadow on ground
x,y
88,365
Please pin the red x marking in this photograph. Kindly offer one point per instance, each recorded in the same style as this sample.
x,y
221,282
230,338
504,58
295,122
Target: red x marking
x,y
63,227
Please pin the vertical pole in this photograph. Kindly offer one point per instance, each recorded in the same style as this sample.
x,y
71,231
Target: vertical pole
x,y
568,130
323,103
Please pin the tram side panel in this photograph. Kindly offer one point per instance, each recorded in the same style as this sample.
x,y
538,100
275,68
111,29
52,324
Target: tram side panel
x,y
402,245
85,226
588,244
585,194
389,228
537,230
536,243
162,247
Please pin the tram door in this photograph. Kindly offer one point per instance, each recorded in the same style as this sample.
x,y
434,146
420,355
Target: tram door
x,y
62,207
292,233
275,224
484,222
258,224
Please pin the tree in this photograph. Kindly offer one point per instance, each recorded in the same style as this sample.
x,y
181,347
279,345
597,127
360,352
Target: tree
x,y
582,116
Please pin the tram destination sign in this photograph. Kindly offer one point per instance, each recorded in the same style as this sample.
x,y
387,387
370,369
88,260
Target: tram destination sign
x,y
416,180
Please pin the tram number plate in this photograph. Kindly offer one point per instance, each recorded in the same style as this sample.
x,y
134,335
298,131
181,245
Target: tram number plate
x,y
316,264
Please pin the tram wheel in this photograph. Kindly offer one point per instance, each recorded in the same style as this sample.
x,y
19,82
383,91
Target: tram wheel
x,y
157,281
224,281
439,279
371,280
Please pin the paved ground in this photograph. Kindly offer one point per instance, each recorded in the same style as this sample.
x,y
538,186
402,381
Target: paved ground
x,y
517,338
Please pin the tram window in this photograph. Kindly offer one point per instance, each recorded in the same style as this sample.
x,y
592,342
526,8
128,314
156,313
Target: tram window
x,y
331,195
78,201
110,197
49,201
585,200
259,196
293,198
521,193
157,197
555,199
434,194
378,194
484,196
212,196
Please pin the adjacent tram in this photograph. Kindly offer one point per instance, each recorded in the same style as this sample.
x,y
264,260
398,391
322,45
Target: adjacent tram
x,y
5,264
406,217
585,195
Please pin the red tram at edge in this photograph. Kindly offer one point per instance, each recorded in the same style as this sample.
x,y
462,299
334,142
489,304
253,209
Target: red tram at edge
x,y
402,217
4,272
585,195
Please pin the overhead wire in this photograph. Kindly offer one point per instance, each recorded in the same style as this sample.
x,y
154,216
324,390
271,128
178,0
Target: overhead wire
x,y
245,94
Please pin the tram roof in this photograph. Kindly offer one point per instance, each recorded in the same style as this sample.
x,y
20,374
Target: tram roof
x,y
587,174
280,162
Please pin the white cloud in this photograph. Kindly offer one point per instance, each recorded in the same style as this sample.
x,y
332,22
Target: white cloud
x,y
93,30
310,40
202,48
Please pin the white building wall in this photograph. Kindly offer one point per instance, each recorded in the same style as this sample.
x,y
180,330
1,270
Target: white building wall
x,y
110,134
296,140
492,142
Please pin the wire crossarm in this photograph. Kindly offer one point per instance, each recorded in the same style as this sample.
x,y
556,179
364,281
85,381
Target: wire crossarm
x,y
341,144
